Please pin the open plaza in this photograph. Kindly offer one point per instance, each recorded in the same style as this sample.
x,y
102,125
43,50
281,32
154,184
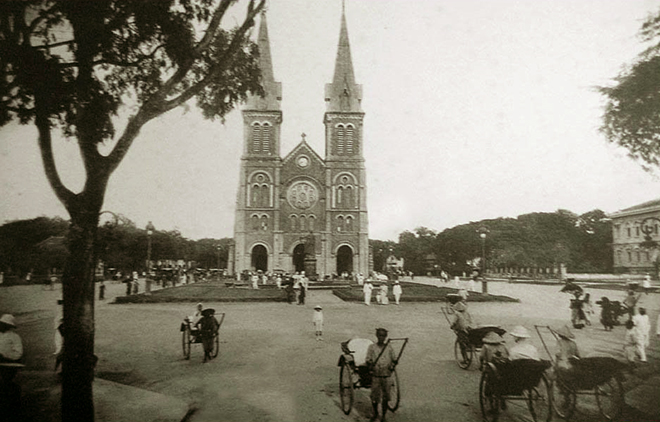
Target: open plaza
x,y
270,368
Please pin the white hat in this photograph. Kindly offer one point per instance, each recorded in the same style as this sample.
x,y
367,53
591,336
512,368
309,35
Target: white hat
x,y
520,332
565,332
8,319
318,307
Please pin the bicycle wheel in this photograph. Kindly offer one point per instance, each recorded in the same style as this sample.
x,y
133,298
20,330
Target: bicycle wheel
x,y
539,401
346,388
609,396
563,399
185,342
395,392
490,403
216,346
463,361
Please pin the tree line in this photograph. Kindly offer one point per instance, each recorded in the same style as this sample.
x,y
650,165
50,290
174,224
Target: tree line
x,y
535,240
39,246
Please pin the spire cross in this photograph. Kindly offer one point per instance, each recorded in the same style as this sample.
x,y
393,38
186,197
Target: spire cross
x,y
303,135
343,6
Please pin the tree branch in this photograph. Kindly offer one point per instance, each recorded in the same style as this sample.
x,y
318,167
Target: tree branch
x,y
213,27
46,148
220,64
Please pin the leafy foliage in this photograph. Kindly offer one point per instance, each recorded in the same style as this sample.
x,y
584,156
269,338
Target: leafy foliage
x,y
632,111
542,240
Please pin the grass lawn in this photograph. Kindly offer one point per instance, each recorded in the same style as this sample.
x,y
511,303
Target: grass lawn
x,y
219,292
207,291
413,292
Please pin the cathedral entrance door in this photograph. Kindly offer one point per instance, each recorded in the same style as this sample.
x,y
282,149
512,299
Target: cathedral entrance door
x,y
260,258
299,258
344,260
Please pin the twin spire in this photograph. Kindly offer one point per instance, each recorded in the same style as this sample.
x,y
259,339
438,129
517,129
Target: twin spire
x,y
342,95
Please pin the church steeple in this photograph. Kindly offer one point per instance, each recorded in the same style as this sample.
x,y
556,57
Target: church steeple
x,y
343,94
272,89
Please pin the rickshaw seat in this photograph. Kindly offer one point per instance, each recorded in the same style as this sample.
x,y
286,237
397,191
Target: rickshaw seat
x,y
357,347
514,376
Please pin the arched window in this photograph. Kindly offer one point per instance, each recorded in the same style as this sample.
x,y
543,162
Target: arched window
x,y
256,138
302,222
264,222
340,190
349,139
340,223
254,201
294,221
255,222
311,222
339,139
265,138
348,201
349,224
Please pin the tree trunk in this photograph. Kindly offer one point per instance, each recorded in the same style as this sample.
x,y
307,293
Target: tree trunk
x,y
78,294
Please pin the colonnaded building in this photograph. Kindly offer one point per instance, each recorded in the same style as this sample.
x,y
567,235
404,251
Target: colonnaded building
x,y
632,229
303,212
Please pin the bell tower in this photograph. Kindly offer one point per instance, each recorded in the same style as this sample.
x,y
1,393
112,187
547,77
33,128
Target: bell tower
x,y
256,203
346,214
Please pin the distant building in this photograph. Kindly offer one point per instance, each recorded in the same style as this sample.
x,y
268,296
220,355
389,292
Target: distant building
x,y
392,263
631,229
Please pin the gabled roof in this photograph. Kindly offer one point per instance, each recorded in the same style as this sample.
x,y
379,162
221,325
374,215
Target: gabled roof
x,y
303,146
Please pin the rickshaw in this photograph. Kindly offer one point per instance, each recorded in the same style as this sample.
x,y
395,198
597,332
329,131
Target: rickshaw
x,y
466,348
521,380
354,373
599,376
191,334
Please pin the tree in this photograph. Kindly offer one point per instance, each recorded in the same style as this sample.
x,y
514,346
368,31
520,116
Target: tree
x,y
84,68
632,111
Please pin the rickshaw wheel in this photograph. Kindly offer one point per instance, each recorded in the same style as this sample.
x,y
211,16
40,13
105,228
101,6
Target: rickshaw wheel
x,y
563,399
609,396
216,345
490,403
469,351
539,401
185,342
395,393
346,388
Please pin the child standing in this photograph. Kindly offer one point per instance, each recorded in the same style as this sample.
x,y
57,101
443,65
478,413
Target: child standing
x,y
318,322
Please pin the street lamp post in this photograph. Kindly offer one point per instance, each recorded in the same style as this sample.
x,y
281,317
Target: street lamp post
x,y
484,284
150,232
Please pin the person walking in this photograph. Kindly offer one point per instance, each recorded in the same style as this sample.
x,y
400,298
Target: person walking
x,y
317,320
643,328
208,328
397,291
290,293
367,289
303,292
381,360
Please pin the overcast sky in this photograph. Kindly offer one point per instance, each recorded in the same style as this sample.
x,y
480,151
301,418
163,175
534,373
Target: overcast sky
x,y
474,110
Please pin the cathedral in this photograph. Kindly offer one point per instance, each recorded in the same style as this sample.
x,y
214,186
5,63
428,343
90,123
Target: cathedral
x,y
303,212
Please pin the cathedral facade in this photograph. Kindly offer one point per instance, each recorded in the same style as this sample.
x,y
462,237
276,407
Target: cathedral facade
x,y
303,212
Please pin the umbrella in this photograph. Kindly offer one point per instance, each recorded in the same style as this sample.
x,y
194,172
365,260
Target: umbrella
x,y
571,288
